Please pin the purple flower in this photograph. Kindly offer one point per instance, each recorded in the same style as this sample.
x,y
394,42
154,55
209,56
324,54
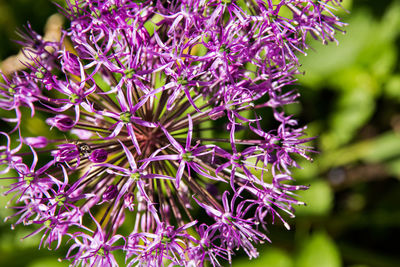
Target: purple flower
x,y
144,113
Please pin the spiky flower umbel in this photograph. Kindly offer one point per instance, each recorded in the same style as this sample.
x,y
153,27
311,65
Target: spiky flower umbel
x,y
159,136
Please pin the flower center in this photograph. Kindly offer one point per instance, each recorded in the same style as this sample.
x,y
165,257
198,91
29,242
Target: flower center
x,y
73,98
187,156
135,176
125,117
129,73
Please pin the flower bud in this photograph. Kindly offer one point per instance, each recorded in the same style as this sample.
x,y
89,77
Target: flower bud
x,y
36,142
62,122
98,156
110,193
70,63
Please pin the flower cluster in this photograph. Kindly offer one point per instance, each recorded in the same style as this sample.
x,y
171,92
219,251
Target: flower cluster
x,y
167,136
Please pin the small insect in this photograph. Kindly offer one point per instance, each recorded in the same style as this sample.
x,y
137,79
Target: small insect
x,y
83,148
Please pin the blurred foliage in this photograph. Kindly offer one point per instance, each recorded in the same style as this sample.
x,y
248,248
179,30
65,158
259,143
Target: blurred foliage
x,y
351,101
15,14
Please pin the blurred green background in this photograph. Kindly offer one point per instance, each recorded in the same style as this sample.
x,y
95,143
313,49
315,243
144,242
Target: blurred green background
x,y
351,101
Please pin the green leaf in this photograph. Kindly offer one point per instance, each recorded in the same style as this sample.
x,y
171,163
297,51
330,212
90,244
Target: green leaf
x,y
353,110
271,257
392,87
309,170
384,147
51,261
394,168
319,250
319,199
381,148
323,61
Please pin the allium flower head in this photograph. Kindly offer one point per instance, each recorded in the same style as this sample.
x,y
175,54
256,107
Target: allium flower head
x,y
166,131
